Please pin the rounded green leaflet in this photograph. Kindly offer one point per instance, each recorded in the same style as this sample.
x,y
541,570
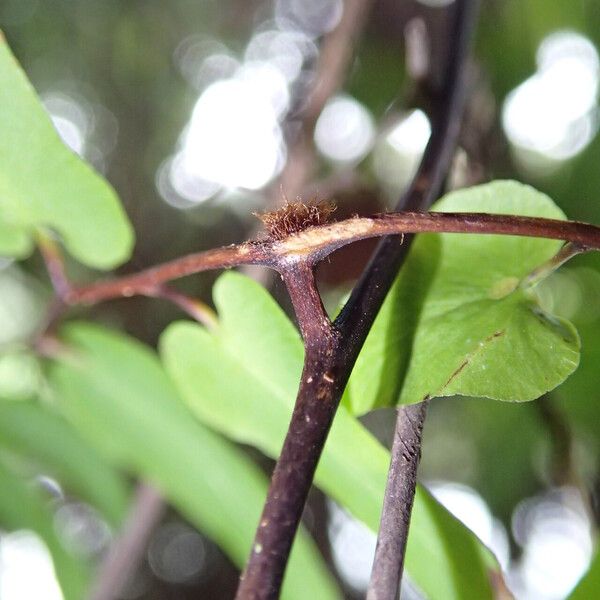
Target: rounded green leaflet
x,y
458,320
45,185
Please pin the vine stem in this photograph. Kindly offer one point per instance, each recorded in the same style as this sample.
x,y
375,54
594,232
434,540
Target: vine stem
x,y
449,99
397,504
128,548
316,243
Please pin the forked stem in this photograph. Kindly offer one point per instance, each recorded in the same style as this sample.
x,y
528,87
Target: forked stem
x,y
310,423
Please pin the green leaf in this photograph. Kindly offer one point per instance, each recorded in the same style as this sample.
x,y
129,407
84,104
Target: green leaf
x,y
383,360
37,433
22,306
478,333
22,508
14,241
242,381
114,390
44,184
20,375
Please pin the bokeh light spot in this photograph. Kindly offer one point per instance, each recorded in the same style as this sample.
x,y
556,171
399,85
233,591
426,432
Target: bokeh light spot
x,y
345,130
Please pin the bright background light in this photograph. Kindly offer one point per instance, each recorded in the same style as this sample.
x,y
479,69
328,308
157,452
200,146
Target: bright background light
x,y
26,569
552,116
345,130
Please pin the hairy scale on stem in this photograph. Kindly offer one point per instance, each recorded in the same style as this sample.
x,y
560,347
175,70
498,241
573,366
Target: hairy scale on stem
x,y
294,217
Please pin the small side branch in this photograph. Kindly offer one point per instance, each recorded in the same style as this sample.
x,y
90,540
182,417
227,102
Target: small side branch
x,y
566,253
149,281
388,564
196,309
127,550
55,264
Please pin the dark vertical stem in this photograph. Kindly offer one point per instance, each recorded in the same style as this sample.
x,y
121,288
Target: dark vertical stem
x,y
397,505
290,483
446,113
392,538
329,359
406,451
310,423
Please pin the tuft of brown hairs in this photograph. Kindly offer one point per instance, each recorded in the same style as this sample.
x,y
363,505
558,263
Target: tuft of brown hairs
x,y
294,217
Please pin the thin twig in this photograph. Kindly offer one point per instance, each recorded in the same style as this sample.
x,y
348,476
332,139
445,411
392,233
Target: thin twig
x,y
148,281
426,187
55,264
566,253
127,550
397,503
316,243
66,293
195,308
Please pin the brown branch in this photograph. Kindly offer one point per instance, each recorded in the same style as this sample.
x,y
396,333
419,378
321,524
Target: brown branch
x,y
398,500
126,551
55,264
316,243
296,465
149,281
66,293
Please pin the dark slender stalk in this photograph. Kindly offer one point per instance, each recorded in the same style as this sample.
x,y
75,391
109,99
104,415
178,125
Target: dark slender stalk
x,y
308,429
397,504
293,475
126,551
427,186
325,376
